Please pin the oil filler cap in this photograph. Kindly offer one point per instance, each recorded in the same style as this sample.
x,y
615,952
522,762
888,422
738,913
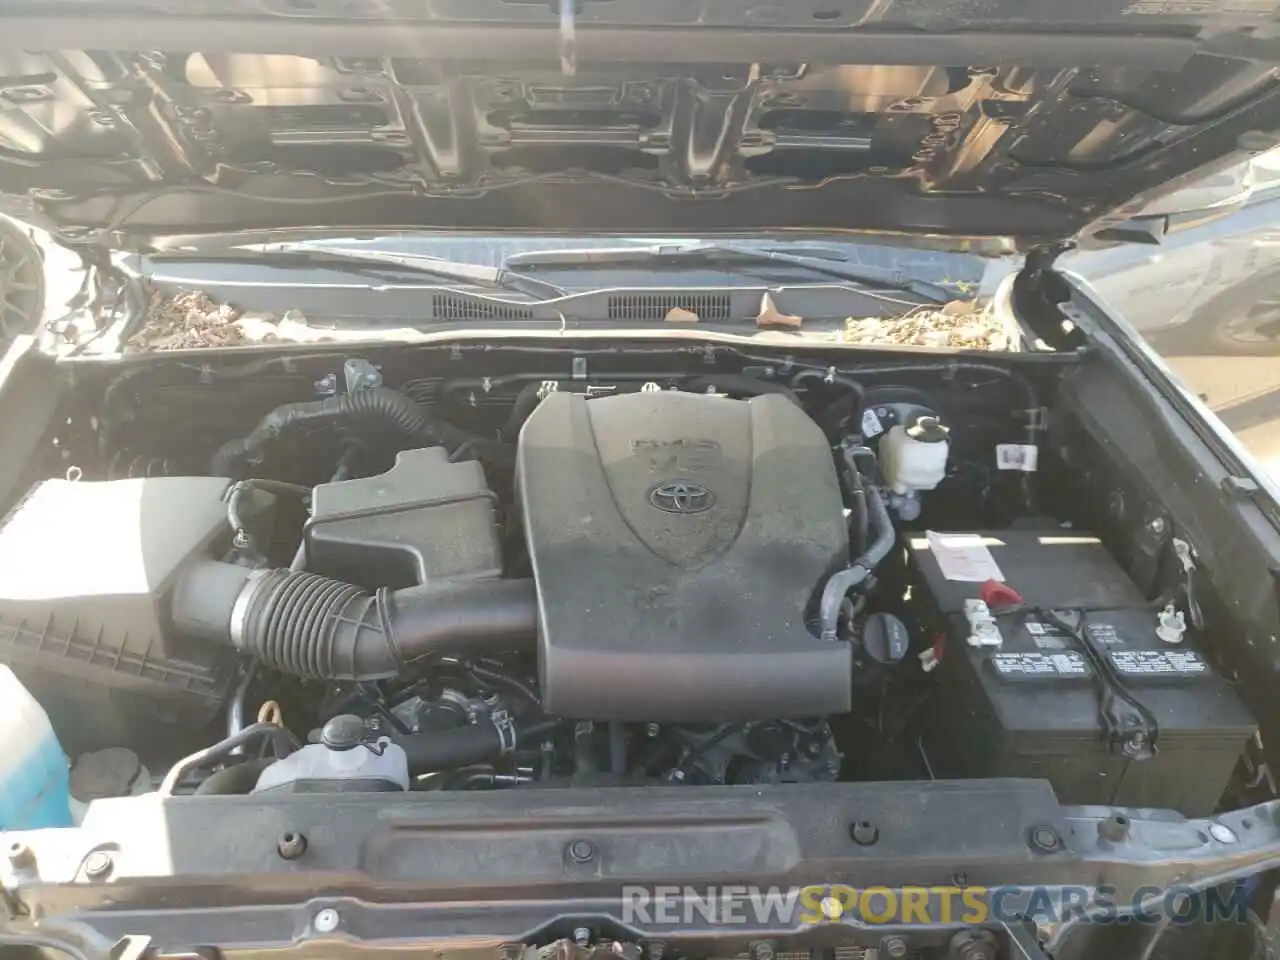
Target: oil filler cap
x,y
885,638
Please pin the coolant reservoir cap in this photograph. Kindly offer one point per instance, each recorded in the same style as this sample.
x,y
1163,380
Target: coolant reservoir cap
x,y
346,731
112,772
928,430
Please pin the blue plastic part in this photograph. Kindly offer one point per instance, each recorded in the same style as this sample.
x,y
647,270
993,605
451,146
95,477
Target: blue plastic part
x,y
35,786
37,791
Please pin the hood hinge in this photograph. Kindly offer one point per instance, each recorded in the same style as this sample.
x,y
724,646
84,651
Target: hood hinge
x,y
1037,292
1040,258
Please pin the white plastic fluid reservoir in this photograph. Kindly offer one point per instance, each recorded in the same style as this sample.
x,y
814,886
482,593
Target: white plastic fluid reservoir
x,y
345,757
34,790
914,455
362,767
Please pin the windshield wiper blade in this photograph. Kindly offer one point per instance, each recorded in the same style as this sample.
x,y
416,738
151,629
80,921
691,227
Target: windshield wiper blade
x,y
723,253
377,263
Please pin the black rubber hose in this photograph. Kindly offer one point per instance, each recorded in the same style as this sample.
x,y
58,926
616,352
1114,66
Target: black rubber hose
x,y
235,500
839,585
859,516
482,677
835,379
375,403
311,626
446,749
836,418
526,402
283,741
238,779
463,746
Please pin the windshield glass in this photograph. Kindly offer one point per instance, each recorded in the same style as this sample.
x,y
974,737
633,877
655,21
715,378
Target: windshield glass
x,y
307,287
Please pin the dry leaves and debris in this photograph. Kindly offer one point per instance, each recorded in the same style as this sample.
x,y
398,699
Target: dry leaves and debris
x,y
185,320
192,319
960,324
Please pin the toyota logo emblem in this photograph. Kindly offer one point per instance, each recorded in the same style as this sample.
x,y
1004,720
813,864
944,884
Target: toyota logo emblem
x,y
681,497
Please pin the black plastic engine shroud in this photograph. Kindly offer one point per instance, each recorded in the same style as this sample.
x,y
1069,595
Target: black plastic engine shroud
x,y
678,541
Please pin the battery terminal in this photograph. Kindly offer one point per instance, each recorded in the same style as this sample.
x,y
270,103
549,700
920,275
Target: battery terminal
x,y
1171,624
983,629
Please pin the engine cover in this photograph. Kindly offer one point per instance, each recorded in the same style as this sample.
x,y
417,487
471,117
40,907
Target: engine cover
x,y
678,541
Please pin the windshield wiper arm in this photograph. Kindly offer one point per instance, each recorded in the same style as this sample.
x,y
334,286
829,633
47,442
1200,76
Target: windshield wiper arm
x,y
718,253
376,263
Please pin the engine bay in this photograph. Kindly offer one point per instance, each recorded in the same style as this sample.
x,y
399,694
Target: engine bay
x,y
318,572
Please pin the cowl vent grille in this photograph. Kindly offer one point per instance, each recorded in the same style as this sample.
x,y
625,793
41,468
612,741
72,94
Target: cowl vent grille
x,y
710,307
446,306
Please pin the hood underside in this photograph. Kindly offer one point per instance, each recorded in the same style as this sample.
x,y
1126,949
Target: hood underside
x,y
125,122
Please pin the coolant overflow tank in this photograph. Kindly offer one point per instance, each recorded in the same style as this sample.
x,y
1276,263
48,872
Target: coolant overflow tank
x,y
347,759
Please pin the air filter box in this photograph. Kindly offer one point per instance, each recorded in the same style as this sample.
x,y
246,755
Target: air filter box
x,y
426,520
85,570
1030,706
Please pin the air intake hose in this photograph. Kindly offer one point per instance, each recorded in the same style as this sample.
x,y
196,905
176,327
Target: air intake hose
x,y
373,403
311,626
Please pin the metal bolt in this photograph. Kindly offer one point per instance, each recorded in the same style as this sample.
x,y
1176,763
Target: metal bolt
x,y
581,936
1156,525
894,947
1045,839
291,845
1222,833
582,851
326,921
652,730
762,950
864,833
97,865
972,945
21,855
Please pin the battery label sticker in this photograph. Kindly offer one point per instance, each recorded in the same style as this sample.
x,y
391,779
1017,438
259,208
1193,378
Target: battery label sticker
x,y
963,556
1047,636
1039,666
1158,663
1104,634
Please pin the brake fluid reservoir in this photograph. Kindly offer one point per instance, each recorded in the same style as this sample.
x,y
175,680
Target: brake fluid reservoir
x,y
34,790
914,455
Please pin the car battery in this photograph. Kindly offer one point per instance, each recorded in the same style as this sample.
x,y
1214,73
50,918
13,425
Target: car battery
x,y
1026,702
